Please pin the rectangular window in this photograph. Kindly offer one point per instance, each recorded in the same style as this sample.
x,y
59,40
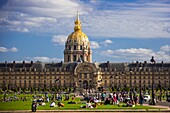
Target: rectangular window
x,y
81,56
68,58
75,58
91,76
105,81
85,76
69,47
80,76
75,47
25,83
81,47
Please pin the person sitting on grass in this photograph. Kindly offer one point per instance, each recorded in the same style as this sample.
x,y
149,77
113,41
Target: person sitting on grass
x,y
88,104
71,102
129,103
52,104
94,105
60,104
133,103
107,101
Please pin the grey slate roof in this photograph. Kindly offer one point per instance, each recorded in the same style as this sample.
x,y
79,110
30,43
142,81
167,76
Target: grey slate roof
x,y
66,66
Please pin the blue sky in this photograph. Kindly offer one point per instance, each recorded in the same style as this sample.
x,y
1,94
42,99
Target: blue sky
x,y
119,30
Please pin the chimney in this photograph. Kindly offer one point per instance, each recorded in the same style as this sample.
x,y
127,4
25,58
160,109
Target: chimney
x,y
5,64
23,63
31,63
108,66
13,64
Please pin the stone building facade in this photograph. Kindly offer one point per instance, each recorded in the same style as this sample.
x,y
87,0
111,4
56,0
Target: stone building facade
x,y
83,74
79,71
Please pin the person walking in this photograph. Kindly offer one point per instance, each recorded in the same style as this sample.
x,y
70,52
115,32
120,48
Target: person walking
x,y
34,106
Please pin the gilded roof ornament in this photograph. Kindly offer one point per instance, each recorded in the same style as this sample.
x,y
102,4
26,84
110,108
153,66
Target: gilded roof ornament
x,y
77,22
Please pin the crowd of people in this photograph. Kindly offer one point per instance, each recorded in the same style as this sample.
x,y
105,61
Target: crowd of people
x,y
7,98
121,99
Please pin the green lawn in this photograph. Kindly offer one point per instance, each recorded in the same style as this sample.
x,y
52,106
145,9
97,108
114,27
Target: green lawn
x,y
26,105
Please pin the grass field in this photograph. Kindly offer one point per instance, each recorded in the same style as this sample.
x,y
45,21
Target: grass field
x,y
26,105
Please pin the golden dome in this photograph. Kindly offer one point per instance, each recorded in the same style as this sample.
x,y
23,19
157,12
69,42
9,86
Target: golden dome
x,y
77,36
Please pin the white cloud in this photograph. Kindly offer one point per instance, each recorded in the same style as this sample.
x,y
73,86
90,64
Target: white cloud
x,y
45,8
137,20
44,59
59,39
4,49
94,45
39,16
19,29
13,49
106,42
135,54
141,19
165,48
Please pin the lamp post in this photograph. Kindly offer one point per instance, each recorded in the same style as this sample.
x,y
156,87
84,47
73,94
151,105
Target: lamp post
x,y
130,84
153,96
123,81
75,86
140,69
160,88
116,78
111,77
